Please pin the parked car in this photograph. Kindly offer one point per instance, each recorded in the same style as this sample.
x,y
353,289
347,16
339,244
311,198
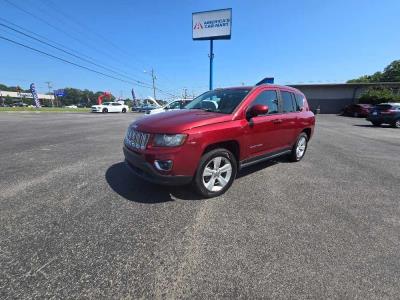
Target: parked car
x,y
174,105
385,113
107,107
207,144
20,104
357,110
71,106
135,108
146,108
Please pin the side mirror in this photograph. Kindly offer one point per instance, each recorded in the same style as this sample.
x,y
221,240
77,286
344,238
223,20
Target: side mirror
x,y
256,110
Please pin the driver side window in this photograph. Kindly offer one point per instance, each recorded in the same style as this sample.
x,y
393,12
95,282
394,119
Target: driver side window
x,y
269,98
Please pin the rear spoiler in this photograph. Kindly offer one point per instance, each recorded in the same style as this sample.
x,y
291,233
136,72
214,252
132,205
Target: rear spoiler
x,y
266,80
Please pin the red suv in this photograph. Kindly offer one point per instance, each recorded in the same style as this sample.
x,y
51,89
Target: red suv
x,y
217,134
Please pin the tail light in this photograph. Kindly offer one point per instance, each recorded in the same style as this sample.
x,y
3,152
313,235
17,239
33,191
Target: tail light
x,y
388,112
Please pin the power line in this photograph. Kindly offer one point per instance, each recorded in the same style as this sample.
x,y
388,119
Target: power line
x,y
78,65
63,31
139,83
68,17
67,61
72,54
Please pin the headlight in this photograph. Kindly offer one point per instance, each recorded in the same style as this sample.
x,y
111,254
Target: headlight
x,y
169,140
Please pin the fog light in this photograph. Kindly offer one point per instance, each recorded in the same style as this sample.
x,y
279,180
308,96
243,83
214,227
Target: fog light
x,y
163,165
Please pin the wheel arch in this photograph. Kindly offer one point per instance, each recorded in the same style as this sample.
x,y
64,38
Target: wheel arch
x,y
231,145
307,131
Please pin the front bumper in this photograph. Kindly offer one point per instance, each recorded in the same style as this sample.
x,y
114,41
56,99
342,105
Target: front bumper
x,y
145,170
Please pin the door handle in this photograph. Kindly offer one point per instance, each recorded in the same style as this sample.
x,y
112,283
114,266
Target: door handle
x,y
278,121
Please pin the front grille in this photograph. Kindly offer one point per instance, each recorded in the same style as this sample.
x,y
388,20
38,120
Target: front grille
x,y
136,139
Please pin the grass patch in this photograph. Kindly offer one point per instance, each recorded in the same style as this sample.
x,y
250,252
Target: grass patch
x,y
43,109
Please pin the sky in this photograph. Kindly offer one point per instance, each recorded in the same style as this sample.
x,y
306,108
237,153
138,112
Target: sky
x,y
306,41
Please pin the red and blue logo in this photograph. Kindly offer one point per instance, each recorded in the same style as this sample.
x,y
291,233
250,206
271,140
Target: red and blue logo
x,y
198,26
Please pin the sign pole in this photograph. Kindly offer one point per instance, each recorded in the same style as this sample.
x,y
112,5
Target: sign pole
x,y
211,63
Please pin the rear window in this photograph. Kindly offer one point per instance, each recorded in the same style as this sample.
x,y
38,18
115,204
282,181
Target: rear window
x,y
288,105
383,107
299,101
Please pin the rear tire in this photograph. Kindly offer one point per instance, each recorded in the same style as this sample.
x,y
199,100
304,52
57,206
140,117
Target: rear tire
x,y
300,147
105,110
216,173
376,124
124,110
396,123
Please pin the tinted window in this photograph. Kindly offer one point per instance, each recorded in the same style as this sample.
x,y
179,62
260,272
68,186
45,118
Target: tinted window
x,y
222,101
175,105
288,102
269,98
383,107
116,104
299,101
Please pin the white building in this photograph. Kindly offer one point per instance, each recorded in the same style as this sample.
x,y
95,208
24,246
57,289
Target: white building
x,y
18,96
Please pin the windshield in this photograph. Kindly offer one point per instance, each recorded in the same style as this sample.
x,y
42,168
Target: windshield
x,y
221,101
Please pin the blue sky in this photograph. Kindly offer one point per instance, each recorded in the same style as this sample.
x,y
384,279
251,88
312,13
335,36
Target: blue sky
x,y
294,41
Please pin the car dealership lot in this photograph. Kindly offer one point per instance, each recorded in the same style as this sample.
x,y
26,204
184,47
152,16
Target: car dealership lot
x,y
75,223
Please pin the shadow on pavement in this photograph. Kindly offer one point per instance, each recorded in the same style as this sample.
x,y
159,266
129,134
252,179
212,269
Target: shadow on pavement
x,y
262,165
372,126
133,188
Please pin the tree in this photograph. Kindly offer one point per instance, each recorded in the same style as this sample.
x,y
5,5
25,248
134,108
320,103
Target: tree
x,y
378,95
390,74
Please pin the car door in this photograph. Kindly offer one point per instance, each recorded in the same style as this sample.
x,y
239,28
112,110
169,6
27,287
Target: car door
x,y
290,117
263,134
117,107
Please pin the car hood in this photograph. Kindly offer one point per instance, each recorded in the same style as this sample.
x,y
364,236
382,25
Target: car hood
x,y
157,110
178,121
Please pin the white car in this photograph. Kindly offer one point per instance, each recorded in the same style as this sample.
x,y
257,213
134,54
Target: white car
x,y
71,106
174,105
107,107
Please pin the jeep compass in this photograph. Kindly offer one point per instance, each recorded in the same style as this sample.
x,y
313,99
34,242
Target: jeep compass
x,y
217,134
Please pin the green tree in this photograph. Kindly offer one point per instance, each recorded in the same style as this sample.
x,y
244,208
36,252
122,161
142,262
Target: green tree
x,y
378,95
390,74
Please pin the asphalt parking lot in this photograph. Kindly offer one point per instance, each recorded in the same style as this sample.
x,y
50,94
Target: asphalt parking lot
x,y
74,223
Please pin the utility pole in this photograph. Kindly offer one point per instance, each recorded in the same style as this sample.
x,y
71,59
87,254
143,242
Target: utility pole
x,y
184,93
153,77
49,86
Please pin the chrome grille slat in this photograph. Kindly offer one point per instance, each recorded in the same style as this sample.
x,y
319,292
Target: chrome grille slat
x,y
137,139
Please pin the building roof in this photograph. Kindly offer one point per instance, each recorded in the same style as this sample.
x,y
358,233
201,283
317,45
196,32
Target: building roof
x,y
345,84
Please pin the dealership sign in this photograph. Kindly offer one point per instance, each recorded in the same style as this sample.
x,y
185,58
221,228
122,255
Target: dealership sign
x,y
212,25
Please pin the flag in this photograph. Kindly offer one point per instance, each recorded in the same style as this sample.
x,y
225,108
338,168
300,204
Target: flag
x,y
34,95
133,95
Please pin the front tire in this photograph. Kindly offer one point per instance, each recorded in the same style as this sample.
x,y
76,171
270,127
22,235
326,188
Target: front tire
x,y
124,110
300,147
216,173
105,110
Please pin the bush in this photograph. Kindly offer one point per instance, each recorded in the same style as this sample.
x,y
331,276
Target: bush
x,y
378,95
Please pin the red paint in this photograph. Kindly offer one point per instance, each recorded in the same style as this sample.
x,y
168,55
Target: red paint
x,y
254,137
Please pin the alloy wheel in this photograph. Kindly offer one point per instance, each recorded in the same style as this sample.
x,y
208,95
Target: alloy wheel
x,y
217,173
301,147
